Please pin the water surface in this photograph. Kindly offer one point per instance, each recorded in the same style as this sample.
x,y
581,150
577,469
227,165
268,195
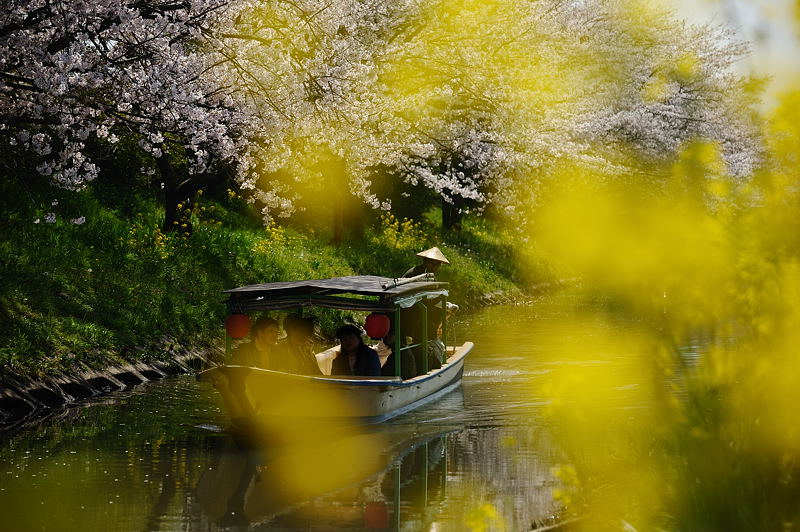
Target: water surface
x,y
146,459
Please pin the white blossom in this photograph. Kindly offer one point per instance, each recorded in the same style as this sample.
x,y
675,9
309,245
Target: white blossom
x,y
468,100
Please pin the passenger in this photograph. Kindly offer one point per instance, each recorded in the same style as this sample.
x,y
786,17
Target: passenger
x,y
432,259
408,367
260,350
384,348
354,358
296,351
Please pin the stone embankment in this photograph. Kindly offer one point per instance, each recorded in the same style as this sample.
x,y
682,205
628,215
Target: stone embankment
x,y
22,398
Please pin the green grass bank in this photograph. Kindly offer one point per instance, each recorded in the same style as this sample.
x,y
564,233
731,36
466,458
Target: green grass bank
x,y
89,279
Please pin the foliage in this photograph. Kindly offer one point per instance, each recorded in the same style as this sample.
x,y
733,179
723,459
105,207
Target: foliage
x,y
478,267
91,279
466,100
682,422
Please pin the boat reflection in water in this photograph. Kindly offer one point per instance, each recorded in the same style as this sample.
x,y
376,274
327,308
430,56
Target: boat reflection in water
x,y
347,479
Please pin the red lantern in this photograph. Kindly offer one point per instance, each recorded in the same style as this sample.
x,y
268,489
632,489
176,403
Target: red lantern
x,y
377,325
237,325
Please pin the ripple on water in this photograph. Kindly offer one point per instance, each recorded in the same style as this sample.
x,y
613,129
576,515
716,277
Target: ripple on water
x,y
504,373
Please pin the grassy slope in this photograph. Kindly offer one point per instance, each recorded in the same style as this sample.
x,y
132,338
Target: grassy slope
x,y
115,288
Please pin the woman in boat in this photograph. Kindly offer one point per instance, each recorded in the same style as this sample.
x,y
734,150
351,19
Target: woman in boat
x,y
354,358
260,350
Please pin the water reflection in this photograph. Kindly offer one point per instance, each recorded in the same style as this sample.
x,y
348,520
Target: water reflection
x,y
403,475
120,464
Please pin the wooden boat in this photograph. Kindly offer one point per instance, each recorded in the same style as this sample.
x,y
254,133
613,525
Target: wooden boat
x,y
263,396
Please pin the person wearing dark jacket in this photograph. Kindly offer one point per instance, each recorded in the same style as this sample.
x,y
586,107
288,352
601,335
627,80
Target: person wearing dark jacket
x,y
354,358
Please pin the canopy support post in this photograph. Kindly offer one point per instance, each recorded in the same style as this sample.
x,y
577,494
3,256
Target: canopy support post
x,y
398,342
443,300
424,329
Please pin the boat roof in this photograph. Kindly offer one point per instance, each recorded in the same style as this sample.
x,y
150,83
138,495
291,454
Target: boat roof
x,y
329,292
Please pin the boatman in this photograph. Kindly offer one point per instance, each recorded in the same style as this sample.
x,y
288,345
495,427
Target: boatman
x,y
432,259
412,318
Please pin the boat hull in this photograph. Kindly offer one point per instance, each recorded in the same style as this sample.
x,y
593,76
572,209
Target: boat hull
x,y
253,394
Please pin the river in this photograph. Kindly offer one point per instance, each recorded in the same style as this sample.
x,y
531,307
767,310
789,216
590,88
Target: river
x,y
153,458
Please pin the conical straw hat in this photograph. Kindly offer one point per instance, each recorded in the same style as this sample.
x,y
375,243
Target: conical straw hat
x,y
433,254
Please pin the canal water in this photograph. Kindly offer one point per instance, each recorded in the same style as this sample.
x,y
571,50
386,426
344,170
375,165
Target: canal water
x,y
158,458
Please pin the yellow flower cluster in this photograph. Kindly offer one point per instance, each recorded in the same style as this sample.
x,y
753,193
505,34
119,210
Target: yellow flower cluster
x,y
145,241
274,235
405,234
196,214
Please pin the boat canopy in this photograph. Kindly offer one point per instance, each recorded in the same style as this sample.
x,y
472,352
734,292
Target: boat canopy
x,y
355,292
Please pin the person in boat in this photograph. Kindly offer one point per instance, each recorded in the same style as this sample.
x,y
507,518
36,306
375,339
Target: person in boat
x,y
260,350
408,366
432,259
354,358
412,317
296,351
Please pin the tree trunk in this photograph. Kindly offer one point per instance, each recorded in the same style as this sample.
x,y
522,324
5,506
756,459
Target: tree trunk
x,y
353,220
336,172
172,195
452,214
178,192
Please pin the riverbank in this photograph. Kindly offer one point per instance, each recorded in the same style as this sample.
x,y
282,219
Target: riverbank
x,y
91,281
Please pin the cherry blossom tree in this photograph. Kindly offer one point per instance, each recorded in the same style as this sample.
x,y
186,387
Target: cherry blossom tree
x,y
473,100
470,101
75,75
547,83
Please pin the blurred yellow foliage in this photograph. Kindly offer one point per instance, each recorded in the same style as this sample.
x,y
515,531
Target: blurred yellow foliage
x,y
655,90
677,421
484,517
687,67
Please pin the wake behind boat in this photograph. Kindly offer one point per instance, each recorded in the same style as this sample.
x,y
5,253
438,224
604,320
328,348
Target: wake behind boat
x,y
417,309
